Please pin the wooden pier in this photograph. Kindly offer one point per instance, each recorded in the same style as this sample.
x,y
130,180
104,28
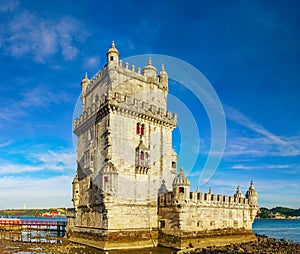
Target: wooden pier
x,y
15,227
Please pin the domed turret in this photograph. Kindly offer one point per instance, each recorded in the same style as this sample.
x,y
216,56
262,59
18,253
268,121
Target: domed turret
x,y
238,193
149,70
163,188
112,54
181,186
163,75
181,179
252,195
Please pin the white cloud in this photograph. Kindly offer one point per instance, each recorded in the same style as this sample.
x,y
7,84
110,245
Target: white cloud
x,y
46,162
4,116
261,146
18,168
262,143
38,97
91,62
270,166
36,193
32,36
241,119
41,96
5,144
8,5
57,161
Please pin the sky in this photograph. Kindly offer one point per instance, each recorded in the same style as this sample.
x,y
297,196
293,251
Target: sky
x,y
248,50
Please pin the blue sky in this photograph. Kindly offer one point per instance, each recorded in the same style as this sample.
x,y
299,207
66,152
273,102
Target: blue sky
x,y
248,50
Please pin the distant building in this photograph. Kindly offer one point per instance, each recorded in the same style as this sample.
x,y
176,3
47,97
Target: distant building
x,y
127,192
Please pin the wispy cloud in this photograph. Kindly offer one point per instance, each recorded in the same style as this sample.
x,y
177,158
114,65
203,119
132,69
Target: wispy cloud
x,y
8,5
263,143
91,62
29,35
241,119
58,161
5,144
270,166
16,190
4,116
46,162
38,97
41,96
18,168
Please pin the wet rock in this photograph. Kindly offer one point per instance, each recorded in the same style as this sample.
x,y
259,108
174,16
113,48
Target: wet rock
x,y
264,245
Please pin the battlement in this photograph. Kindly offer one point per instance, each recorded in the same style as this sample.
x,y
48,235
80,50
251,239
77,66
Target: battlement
x,y
131,106
132,72
202,199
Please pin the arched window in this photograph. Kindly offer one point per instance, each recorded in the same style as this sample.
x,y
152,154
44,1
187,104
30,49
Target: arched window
x,y
142,157
138,128
142,129
181,190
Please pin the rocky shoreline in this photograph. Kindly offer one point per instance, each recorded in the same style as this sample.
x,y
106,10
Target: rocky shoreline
x,y
263,245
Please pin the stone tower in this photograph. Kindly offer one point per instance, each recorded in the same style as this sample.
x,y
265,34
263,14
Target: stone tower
x,y
124,156
126,191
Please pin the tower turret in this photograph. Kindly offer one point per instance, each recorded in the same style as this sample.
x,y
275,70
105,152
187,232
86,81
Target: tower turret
x,y
181,186
76,193
238,193
149,70
84,83
251,194
112,55
163,75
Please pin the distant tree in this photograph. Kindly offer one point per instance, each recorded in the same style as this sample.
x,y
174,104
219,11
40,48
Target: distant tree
x,y
263,213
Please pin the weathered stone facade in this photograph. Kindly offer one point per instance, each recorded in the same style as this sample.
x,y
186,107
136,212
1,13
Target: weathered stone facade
x,y
126,165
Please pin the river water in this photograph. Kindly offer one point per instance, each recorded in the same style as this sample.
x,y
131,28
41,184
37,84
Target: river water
x,y
279,229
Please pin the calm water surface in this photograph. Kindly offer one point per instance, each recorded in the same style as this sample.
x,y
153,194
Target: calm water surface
x,y
286,229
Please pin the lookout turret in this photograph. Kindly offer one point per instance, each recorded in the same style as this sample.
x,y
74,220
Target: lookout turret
x,y
181,186
149,70
84,83
112,54
238,193
251,194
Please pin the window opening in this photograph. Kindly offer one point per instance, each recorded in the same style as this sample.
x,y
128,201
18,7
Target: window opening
x,y
162,224
138,130
142,129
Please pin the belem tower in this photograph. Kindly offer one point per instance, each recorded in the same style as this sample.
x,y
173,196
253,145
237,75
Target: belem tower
x,y
127,191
